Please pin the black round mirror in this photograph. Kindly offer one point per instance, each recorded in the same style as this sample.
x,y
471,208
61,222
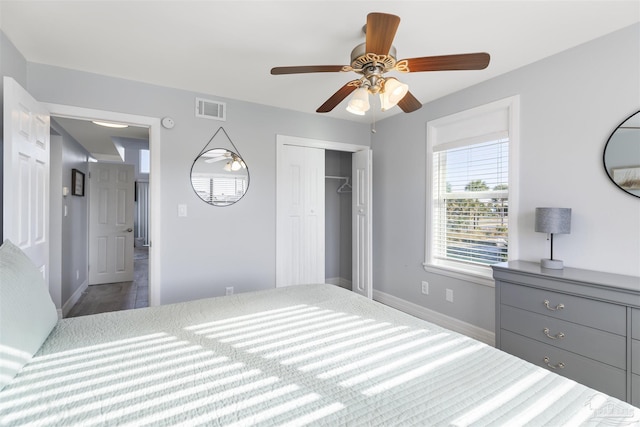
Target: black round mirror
x,y
219,177
622,155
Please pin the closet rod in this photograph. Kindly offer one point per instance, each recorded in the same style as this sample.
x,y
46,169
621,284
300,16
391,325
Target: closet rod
x,y
337,177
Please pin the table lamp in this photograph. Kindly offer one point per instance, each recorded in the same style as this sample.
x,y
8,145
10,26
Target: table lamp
x,y
553,221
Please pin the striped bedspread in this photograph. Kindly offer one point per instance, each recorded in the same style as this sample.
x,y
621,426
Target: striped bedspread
x,y
302,355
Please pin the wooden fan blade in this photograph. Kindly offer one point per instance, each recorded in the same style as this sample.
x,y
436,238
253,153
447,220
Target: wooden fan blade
x,y
409,103
465,61
381,29
337,97
306,69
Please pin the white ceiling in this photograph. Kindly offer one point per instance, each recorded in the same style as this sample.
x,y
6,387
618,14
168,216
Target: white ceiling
x,y
227,48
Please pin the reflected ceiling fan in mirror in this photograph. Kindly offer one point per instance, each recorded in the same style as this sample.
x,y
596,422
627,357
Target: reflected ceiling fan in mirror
x,y
376,57
234,162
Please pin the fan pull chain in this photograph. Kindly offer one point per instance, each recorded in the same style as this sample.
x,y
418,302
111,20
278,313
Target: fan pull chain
x,y
373,125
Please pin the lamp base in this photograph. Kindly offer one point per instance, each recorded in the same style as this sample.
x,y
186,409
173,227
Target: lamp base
x,y
555,264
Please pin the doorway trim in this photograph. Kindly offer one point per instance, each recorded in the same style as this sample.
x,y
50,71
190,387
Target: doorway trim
x,y
155,208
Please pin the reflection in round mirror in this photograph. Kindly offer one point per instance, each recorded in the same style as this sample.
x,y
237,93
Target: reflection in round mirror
x,y
622,155
219,177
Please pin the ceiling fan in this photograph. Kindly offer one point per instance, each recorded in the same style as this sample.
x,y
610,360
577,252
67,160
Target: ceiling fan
x,y
376,57
234,162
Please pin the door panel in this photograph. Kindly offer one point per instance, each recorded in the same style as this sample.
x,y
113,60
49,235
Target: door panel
x,y
300,223
26,174
111,209
362,230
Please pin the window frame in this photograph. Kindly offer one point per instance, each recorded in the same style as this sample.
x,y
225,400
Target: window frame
x,y
467,128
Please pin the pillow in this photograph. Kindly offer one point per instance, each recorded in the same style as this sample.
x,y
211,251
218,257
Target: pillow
x,y
27,313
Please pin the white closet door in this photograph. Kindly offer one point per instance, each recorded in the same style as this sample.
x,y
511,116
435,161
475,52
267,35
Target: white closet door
x,y
362,226
300,223
26,174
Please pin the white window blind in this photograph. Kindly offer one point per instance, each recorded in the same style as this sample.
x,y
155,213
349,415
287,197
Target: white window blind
x,y
219,189
472,190
470,201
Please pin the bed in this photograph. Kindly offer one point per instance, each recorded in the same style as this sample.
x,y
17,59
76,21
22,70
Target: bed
x,y
301,355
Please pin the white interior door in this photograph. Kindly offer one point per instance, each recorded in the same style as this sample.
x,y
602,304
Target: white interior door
x,y
300,220
26,174
111,209
362,225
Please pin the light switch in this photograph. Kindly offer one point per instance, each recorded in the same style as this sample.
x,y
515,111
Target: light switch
x,y
182,210
66,212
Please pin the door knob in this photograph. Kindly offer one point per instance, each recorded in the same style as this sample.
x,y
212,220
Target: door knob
x,y
129,230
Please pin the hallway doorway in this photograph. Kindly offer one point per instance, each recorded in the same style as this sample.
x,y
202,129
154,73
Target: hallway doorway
x,y
152,125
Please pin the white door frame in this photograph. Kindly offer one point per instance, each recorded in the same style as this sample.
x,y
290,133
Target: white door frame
x,y
282,140
153,123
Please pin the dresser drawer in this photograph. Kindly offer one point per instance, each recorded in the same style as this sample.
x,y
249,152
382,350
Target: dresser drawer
x,y
635,356
635,390
635,324
593,374
596,314
589,342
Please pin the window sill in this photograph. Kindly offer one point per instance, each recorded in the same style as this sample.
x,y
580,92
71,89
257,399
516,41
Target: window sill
x,y
477,278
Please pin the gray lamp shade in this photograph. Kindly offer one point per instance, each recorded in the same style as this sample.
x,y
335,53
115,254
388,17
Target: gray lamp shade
x,y
553,220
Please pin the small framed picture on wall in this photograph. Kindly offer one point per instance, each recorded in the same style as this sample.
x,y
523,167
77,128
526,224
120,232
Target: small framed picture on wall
x,y
77,182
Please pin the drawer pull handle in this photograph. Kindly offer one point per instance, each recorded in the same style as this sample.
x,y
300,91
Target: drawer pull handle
x,y
557,366
557,336
557,307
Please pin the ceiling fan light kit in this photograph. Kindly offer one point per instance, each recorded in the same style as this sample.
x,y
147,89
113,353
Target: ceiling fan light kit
x,y
359,102
393,92
376,57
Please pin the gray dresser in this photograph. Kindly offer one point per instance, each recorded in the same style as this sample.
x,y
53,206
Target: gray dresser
x,y
581,324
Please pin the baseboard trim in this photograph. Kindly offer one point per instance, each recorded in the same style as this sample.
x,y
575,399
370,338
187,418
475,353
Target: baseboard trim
x,y
339,281
66,308
439,319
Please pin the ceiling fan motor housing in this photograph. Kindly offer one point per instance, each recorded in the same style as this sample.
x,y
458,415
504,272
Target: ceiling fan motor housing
x,y
371,66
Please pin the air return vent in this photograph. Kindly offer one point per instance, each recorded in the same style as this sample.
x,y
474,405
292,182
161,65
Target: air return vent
x,y
208,109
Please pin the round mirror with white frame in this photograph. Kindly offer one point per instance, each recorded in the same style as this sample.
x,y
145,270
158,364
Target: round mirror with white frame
x,y
622,155
219,177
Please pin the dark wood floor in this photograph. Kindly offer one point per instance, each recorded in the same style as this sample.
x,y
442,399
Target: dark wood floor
x,y
118,296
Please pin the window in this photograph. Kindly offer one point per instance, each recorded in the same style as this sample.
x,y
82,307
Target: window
x,y
144,161
470,187
219,189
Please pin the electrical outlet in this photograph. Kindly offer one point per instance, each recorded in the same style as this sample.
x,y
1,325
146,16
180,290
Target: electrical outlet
x,y
449,295
425,288
229,290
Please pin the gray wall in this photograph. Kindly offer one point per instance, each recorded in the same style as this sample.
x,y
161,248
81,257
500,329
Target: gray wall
x,y
212,247
71,254
570,103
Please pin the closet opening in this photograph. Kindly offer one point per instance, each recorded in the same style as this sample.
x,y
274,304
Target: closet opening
x,y
338,214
